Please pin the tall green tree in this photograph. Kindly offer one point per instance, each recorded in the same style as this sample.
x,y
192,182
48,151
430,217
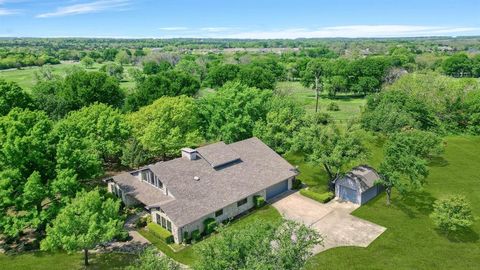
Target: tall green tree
x,y
89,138
231,112
167,125
87,221
26,165
405,161
312,77
326,144
259,245
283,120
220,74
79,88
150,259
11,96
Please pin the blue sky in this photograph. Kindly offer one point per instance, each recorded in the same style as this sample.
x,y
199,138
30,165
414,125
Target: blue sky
x,y
238,19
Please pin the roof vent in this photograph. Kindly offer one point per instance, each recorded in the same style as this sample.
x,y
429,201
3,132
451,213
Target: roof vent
x,y
196,178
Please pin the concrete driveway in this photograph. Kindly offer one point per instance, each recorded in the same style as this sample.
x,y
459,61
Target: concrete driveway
x,y
332,220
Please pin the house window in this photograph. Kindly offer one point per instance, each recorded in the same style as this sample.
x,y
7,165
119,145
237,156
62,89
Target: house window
x,y
158,183
219,213
143,175
159,219
169,226
242,202
164,222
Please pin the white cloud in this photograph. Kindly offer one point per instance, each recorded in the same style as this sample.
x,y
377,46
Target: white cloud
x,y
174,28
84,8
215,29
6,11
354,31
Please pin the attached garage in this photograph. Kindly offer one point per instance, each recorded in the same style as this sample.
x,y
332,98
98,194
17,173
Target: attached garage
x,y
277,189
358,186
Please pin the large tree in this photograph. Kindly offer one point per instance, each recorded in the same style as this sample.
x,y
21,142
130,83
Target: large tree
x,y
87,221
90,137
259,245
169,83
312,77
282,121
167,125
257,76
11,96
151,259
326,144
405,161
26,165
79,88
231,112
220,74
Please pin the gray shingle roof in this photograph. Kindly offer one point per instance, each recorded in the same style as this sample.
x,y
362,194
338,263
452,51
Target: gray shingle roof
x,y
257,168
365,175
143,192
218,154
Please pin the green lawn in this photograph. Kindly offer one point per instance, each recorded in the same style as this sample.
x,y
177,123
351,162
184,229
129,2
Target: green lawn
x,y
350,107
187,255
25,77
411,241
62,261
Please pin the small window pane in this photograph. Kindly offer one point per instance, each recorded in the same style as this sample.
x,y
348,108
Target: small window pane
x,y
169,226
242,202
219,213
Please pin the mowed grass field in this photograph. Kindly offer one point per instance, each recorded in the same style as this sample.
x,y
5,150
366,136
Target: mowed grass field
x,y
350,107
25,77
411,240
63,261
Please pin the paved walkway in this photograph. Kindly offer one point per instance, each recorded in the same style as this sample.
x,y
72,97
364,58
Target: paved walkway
x,y
332,220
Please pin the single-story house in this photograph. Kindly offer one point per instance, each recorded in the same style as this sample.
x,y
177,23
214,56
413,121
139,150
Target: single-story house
x,y
359,185
215,181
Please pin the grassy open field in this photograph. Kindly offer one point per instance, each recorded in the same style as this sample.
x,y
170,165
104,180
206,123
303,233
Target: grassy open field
x,y
63,261
411,241
350,107
25,77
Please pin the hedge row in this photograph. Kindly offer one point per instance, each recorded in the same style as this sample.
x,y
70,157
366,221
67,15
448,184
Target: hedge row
x,y
319,197
160,232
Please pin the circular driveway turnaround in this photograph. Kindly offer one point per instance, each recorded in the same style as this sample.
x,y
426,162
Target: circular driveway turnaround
x,y
332,220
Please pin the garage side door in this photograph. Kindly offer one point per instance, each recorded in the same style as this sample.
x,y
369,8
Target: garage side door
x,y
277,189
348,194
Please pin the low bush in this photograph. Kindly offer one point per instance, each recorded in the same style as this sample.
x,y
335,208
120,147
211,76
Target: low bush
x,y
196,236
319,197
160,232
143,221
186,238
123,236
210,225
297,184
332,106
259,201
452,214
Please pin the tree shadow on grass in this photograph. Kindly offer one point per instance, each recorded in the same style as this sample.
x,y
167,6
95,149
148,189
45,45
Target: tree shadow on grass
x,y
466,235
438,162
416,203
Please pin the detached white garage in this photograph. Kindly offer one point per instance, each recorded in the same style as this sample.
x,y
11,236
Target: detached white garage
x,y
359,185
